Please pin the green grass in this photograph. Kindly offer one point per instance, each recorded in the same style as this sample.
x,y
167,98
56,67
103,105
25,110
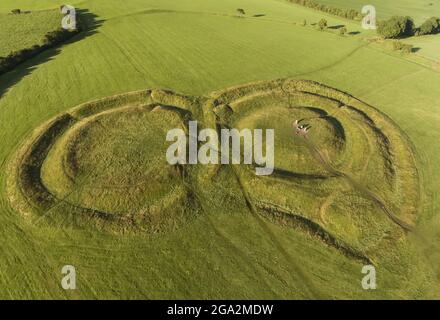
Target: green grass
x,y
227,253
419,10
428,46
348,142
25,30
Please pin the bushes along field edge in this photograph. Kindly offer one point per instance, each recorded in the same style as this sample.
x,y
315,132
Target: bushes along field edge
x,y
51,39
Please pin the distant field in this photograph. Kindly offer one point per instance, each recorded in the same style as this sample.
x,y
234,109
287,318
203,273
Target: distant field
x,y
7,6
199,49
426,46
19,31
429,45
420,10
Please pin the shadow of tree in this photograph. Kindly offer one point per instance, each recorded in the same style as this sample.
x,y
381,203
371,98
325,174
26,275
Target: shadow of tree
x,y
336,27
89,24
415,49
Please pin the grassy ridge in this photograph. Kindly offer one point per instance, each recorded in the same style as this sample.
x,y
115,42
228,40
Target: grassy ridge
x,y
224,252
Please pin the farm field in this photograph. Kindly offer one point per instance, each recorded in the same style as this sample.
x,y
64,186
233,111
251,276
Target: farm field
x,y
84,182
428,46
425,46
29,29
419,10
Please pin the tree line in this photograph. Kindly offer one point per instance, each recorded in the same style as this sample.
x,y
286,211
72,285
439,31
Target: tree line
x,y
344,13
401,27
395,27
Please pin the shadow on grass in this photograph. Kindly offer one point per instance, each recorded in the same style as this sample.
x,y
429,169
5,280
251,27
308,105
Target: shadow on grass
x,y
336,27
89,24
416,49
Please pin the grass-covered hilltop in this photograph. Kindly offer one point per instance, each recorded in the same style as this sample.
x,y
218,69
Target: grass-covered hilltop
x,y
85,181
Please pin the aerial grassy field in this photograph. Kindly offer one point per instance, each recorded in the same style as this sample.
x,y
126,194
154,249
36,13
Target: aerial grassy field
x,y
419,10
428,46
84,180
28,29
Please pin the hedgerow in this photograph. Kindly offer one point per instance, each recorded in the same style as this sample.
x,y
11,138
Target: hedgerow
x,y
344,13
51,39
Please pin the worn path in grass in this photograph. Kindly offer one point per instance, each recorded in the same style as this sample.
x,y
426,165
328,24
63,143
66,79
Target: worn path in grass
x,y
321,159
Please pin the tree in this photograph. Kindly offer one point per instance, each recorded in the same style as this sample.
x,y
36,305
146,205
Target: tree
x,y
322,24
396,27
241,12
430,26
342,31
16,11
